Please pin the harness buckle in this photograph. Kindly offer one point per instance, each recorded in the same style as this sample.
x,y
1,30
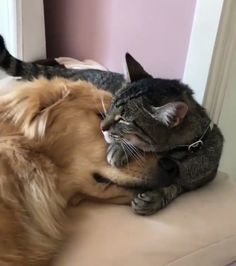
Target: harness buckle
x,y
195,146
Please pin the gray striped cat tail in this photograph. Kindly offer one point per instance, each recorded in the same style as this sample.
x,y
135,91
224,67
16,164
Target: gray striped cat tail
x,y
6,59
11,65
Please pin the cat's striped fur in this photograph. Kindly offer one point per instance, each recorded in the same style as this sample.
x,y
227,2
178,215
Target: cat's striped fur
x,y
14,67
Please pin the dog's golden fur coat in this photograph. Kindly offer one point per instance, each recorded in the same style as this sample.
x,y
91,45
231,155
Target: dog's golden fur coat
x,y
50,146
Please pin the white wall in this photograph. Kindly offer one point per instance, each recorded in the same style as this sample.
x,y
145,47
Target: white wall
x,y
33,30
7,27
22,25
220,99
202,41
227,121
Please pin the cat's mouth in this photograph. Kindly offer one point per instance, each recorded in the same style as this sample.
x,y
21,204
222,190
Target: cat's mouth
x,y
129,139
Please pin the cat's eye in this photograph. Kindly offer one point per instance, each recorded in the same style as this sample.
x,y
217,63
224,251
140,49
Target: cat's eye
x,y
124,122
118,118
101,115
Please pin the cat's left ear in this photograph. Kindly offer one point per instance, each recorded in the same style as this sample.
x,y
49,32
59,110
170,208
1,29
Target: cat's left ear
x,y
133,69
170,114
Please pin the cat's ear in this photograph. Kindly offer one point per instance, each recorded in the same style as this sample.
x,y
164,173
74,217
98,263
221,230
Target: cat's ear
x,y
133,70
170,114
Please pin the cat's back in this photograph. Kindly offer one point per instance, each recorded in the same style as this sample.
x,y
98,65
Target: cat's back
x,y
107,80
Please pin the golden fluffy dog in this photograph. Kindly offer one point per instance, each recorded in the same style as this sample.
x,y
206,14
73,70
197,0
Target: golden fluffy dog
x,y
51,150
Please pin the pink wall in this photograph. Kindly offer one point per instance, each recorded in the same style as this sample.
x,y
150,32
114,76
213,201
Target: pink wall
x,y
156,32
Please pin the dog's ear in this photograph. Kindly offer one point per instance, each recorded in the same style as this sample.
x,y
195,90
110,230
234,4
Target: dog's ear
x,y
102,101
88,97
29,105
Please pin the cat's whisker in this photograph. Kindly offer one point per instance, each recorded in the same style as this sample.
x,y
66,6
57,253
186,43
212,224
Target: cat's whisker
x,y
102,114
103,105
133,154
138,156
130,152
122,145
136,159
136,151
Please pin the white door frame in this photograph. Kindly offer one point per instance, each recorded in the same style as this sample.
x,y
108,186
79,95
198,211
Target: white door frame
x,y
221,62
202,41
24,28
10,26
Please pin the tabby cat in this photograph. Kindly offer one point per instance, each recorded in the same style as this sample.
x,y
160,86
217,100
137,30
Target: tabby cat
x,y
147,115
161,116
28,71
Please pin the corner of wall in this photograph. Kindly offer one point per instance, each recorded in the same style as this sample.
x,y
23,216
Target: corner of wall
x,y
202,42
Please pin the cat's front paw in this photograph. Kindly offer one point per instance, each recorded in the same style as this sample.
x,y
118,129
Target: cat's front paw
x,y
116,155
148,203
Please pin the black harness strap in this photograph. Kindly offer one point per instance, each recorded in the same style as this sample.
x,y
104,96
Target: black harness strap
x,y
193,147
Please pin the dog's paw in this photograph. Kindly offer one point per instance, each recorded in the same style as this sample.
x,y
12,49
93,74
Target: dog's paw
x,y
148,203
116,156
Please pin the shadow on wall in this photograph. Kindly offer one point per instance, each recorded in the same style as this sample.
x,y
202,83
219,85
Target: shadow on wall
x,y
156,32
77,28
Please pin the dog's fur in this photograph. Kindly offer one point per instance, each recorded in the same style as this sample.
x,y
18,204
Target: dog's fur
x,y
51,148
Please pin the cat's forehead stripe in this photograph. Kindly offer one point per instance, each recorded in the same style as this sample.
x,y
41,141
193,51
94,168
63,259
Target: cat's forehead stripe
x,y
122,98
